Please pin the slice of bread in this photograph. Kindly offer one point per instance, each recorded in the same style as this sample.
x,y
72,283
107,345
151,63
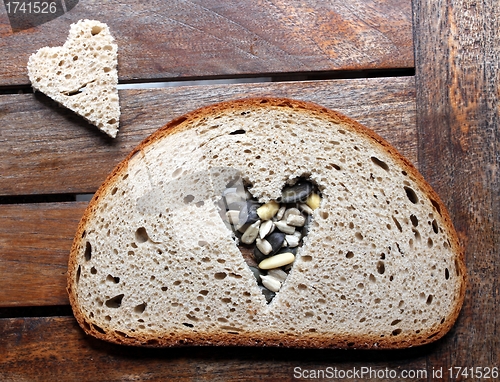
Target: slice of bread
x,y
154,264
82,74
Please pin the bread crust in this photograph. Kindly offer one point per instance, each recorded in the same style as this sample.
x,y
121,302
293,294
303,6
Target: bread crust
x,y
185,122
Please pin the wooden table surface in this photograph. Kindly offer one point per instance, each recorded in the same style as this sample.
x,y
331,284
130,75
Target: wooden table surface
x,y
424,75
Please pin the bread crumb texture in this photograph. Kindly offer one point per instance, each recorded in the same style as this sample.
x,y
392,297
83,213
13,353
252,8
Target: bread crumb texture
x,y
82,74
153,264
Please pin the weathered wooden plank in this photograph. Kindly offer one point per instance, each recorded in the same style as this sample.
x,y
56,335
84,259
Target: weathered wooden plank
x,y
43,349
35,240
457,56
211,38
46,149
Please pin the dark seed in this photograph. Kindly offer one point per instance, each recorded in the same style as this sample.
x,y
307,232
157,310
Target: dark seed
x,y
276,240
257,273
248,214
238,234
288,249
258,255
296,193
305,227
267,294
236,206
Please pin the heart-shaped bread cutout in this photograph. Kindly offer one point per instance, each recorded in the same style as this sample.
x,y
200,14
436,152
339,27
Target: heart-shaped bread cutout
x,y
82,74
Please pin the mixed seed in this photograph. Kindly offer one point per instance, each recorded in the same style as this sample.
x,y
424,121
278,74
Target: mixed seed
x,y
273,231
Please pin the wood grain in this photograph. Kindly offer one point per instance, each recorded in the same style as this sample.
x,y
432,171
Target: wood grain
x,y
35,240
457,55
447,122
46,149
179,39
54,348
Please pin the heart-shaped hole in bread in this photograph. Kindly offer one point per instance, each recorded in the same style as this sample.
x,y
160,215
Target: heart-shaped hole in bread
x,y
270,233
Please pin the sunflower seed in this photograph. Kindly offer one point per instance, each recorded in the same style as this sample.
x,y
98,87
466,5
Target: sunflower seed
x,y
285,228
278,274
258,255
292,240
306,209
281,212
255,224
264,246
295,220
266,228
251,233
233,216
291,211
271,283
275,239
231,196
296,193
248,214
236,205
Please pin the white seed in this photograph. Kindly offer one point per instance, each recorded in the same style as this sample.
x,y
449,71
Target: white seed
x,y
280,213
264,246
285,244
266,228
278,274
251,233
290,211
292,240
233,216
277,261
268,210
306,209
232,197
296,220
285,228
230,190
271,283
298,234
240,189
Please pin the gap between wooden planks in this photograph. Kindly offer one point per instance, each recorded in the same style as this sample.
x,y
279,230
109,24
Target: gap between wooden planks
x,y
202,38
46,149
35,239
